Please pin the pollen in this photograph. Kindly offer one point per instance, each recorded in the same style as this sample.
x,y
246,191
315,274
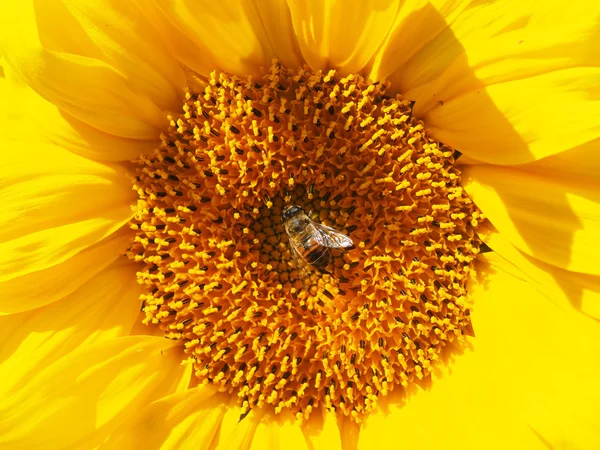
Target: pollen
x,y
216,266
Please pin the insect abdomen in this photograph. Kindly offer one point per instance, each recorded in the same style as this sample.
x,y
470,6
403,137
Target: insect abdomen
x,y
318,257
314,253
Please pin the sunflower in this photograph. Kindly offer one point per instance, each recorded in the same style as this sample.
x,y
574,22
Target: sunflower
x,y
155,297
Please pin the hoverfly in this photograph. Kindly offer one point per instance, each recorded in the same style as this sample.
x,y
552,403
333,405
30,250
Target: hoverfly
x,y
310,242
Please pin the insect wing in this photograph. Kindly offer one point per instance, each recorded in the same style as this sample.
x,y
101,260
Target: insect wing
x,y
329,237
295,252
303,266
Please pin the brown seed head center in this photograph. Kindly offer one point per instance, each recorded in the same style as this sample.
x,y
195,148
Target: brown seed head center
x,y
218,271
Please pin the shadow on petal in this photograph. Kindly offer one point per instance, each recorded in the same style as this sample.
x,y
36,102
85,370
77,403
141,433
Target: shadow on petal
x,y
475,122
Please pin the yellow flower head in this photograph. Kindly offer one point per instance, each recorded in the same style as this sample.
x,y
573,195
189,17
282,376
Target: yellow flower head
x,y
299,224
219,269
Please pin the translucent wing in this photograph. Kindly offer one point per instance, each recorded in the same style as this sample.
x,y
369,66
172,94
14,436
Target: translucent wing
x,y
305,269
330,237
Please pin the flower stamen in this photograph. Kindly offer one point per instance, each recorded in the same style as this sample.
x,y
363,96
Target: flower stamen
x,y
218,271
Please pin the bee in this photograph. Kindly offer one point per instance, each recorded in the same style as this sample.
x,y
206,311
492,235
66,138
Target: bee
x,y
310,242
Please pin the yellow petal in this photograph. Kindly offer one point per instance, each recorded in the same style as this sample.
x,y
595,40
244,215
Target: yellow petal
x,y
37,289
278,433
87,88
104,307
43,121
9,117
542,359
116,33
333,35
26,113
322,433
350,432
186,420
565,289
416,24
54,205
80,399
277,21
212,36
487,78
554,218
461,408
523,120
582,161
236,434
4,91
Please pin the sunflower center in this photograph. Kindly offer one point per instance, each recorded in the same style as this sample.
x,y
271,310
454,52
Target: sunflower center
x,y
255,316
